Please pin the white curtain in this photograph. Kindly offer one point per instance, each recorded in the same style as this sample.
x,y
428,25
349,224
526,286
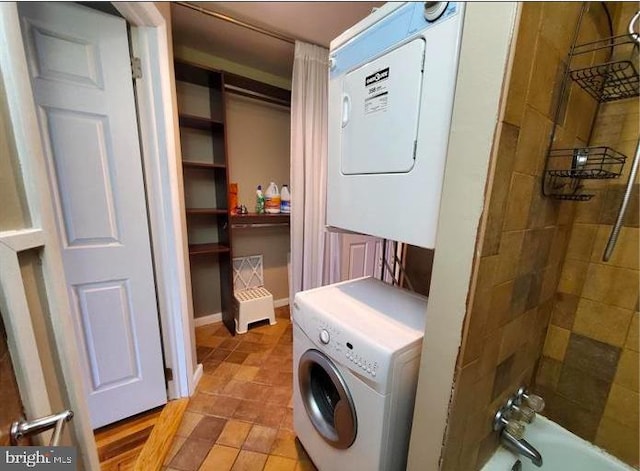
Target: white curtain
x,y
313,260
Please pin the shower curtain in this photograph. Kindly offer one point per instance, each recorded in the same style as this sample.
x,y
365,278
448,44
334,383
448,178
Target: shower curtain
x,y
314,251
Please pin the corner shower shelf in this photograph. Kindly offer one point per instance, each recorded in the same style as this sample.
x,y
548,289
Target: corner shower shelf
x,y
615,79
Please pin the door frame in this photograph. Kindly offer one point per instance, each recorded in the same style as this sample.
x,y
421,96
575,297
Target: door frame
x,y
157,114
157,118
22,343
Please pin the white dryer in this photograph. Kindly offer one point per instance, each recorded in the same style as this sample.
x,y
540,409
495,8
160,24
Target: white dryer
x,y
392,84
356,353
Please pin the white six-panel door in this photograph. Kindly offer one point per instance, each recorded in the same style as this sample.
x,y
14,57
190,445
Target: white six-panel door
x,y
81,79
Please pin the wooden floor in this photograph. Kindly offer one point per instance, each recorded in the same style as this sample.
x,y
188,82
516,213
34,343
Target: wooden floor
x,y
140,443
120,444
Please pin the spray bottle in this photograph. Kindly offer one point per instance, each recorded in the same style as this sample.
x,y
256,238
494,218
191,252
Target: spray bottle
x,y
259,200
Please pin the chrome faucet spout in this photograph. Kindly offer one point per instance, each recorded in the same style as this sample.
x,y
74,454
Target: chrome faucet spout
x,y
521,447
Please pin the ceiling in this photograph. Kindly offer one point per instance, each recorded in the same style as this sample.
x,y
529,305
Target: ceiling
x,y
315,22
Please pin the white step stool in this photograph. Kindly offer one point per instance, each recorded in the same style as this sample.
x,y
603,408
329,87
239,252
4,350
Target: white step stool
x,y
253,301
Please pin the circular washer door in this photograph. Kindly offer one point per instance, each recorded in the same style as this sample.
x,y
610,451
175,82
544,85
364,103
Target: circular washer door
x,y
327,400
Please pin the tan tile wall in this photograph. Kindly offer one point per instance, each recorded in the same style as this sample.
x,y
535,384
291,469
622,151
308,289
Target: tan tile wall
x,y
589,370
524,237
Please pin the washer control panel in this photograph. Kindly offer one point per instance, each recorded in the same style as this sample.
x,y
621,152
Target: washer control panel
x,y
349,348
367,366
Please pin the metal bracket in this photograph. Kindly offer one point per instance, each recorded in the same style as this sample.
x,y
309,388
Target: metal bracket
x,y
168,374
136,68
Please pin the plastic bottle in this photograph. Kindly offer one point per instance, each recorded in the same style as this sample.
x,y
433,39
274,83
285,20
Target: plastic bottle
x,y
285,200
259,200
272,199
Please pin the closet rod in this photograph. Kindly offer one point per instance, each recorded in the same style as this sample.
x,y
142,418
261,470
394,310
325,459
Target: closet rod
x,y
244,24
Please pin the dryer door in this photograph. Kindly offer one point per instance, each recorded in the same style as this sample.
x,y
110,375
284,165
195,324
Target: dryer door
x,y
381,110
326,399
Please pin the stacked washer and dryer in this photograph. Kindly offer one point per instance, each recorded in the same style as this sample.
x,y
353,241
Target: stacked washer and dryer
x,y
357,344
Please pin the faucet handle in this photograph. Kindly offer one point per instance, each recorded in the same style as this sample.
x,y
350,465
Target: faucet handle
x,y
515,428
535,402
525,414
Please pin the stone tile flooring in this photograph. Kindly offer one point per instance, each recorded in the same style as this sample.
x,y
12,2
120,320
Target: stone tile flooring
x,y
241,417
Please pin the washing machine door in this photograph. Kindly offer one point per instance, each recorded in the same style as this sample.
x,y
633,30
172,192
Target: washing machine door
x,y
326,399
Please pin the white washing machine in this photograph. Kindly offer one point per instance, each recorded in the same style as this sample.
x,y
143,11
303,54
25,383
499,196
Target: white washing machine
x,y
356,353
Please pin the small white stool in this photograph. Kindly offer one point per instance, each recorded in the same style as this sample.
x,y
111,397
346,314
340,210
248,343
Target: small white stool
x,y
253,301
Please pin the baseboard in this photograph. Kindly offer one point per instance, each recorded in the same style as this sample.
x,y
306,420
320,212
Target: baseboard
x,y
217,317
197,375
280,302
210,319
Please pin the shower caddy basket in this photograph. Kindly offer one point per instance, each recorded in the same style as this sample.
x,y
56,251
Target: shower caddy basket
x,y
613,77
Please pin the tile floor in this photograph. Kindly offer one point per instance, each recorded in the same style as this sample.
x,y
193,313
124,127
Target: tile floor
x,y
241,417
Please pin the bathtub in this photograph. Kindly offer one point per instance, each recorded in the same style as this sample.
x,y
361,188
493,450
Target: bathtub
x,y
560,449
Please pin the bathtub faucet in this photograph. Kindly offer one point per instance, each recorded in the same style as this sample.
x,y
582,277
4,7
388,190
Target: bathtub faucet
x,y
512,432
521,447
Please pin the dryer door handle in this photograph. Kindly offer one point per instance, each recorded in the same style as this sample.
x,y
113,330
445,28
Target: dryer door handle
x,y
346,109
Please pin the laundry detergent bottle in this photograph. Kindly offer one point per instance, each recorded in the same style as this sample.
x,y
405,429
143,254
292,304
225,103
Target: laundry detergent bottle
x,y
285,200
272,199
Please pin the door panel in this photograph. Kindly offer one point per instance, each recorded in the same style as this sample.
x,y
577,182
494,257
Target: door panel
x,y
81,78
106,319
87,204
76,65
361,256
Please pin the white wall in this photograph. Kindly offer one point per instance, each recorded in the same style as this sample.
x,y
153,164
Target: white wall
x,y
486,41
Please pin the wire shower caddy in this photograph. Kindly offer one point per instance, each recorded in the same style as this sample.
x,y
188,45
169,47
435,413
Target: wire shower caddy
x,y
612,75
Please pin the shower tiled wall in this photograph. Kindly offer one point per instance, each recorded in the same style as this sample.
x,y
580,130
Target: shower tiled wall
x,y
589,370
523,238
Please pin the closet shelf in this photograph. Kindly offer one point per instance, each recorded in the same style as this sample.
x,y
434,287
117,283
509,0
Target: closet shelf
x,y
260,219
611,80
201,249
205,211
195,164
197,122
201,101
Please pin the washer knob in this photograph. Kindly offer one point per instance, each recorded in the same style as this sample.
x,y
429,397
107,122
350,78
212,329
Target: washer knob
x,y
324,336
